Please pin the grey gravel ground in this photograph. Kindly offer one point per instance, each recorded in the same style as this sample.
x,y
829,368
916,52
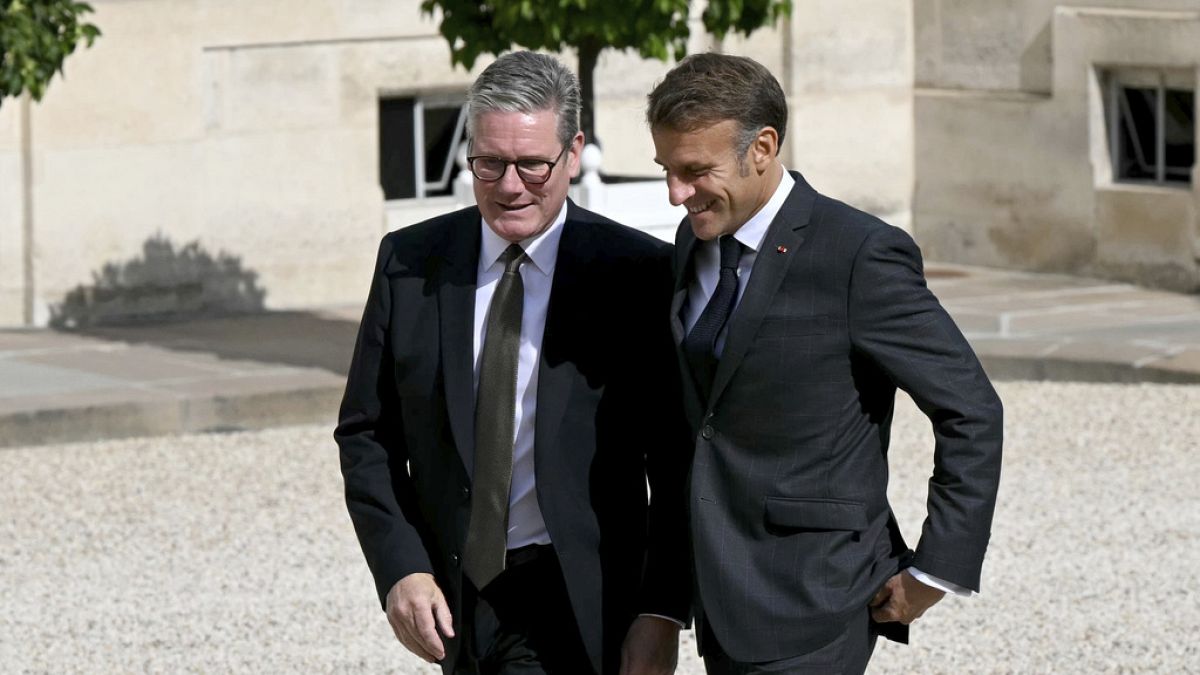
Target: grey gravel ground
x,y
233,553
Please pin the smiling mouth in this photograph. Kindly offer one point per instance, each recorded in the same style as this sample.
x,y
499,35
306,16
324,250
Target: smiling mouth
x,y
513,207
702,208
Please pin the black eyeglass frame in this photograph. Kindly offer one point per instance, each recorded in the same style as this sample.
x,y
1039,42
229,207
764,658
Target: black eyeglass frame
x,y
517,163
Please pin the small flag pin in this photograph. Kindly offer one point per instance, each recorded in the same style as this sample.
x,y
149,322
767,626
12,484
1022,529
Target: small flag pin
x,y
782,249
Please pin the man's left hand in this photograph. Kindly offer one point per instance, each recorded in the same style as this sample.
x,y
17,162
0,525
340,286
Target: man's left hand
x,y
651,647
903,599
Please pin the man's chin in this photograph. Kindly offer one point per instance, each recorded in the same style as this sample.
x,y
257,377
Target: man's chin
x,y
517,229
704,228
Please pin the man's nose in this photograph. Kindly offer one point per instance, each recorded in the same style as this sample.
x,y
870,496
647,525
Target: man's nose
x,y
510,181
678,191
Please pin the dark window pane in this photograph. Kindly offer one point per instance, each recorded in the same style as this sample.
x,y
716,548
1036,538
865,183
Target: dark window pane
x,y
1179,132
1135,119
440,146
397,166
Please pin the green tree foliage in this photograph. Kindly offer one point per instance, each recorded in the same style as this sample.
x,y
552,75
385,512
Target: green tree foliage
x,y
36,36
654,28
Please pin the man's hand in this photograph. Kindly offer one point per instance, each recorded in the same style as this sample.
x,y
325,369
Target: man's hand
x,y
903,599
417,609
651,647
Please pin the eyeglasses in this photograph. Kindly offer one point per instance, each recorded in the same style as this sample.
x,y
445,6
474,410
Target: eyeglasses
x,y
531,170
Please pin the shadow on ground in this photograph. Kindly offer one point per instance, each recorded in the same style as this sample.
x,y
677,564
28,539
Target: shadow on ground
x,y
300,339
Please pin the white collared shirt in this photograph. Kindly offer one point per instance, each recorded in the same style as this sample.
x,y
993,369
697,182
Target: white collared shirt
x,y
525,522
704,283
708,259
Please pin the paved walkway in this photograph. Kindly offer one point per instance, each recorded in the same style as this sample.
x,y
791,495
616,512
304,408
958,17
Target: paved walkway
x,y
289,367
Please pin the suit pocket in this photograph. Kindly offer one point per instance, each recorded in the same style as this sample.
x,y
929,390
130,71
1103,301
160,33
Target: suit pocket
x,y
791,514
817,545
792,326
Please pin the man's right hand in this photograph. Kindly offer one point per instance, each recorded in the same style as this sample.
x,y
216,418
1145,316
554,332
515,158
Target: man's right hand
x,y
417,609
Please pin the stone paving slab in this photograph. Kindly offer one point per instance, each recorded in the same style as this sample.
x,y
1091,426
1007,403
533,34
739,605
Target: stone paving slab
x,y
78,399
1060,320
276,368
1186,363
1033,300
20,379
216,374
135,364
1052,327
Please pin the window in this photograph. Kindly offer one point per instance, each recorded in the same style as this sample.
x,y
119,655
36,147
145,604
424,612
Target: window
x,y
1152,126
418,141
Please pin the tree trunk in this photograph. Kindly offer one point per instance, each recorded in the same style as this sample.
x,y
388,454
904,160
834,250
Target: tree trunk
x,y
589,53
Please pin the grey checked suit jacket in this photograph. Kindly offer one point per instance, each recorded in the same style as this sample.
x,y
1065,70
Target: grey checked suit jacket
x,y
791,526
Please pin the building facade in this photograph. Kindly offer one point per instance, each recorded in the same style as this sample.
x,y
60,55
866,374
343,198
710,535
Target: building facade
x,y
281,139
1059,136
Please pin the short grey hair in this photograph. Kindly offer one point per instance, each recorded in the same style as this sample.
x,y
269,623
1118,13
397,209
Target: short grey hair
x,y
526,82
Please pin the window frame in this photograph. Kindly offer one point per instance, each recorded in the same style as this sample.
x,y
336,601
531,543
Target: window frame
x,y
421,101
1117,108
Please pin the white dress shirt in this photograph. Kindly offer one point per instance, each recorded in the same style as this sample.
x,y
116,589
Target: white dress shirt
x,y
704,284
525,522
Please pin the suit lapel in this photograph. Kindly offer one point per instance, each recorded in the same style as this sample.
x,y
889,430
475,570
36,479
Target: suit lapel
x,y
685,246
781,244
456,311
555,373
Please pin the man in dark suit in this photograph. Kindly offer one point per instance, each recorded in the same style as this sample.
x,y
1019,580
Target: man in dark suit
x,y
512,391
796,317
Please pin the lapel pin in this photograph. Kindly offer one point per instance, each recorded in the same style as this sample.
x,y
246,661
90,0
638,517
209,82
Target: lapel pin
x,y
782,249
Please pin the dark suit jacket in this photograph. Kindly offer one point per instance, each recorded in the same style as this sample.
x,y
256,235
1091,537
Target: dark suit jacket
x,y
608,418
792,529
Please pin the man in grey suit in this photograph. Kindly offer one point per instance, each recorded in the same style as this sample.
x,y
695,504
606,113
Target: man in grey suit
x,y
795,319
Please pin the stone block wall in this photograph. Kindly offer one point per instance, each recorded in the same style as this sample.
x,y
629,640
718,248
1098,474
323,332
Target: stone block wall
x,y
1012,151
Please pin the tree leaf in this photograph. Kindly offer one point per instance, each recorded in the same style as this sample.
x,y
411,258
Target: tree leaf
x,y
35,40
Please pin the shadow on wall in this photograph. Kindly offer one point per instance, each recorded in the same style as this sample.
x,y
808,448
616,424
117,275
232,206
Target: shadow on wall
x,y
164,284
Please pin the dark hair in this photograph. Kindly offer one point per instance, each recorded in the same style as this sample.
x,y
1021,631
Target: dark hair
x,y
706,89
526,82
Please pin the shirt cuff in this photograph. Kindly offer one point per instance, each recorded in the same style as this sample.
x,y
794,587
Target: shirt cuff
x,y
677,622
940,584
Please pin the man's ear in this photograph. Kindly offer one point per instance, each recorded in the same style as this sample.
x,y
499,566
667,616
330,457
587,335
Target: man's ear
x,y
574,153
764,149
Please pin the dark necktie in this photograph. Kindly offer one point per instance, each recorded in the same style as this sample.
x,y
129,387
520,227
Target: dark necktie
x,y
700,345
495,407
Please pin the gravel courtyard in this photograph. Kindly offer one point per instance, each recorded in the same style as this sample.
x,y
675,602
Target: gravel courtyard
x,y
233,552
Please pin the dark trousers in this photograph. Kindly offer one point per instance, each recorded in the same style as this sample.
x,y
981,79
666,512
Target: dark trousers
x,y
522,623
847,654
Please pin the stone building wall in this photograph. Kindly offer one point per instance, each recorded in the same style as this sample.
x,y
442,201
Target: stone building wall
x,y
1013,138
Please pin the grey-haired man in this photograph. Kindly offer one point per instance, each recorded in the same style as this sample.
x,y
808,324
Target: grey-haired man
x,y
511,393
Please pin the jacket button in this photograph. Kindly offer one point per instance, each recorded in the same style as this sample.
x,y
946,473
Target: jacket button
x,y
454,559
465,492
707,432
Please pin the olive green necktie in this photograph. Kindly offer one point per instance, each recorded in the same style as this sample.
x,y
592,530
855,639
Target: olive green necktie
x,y
495,408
